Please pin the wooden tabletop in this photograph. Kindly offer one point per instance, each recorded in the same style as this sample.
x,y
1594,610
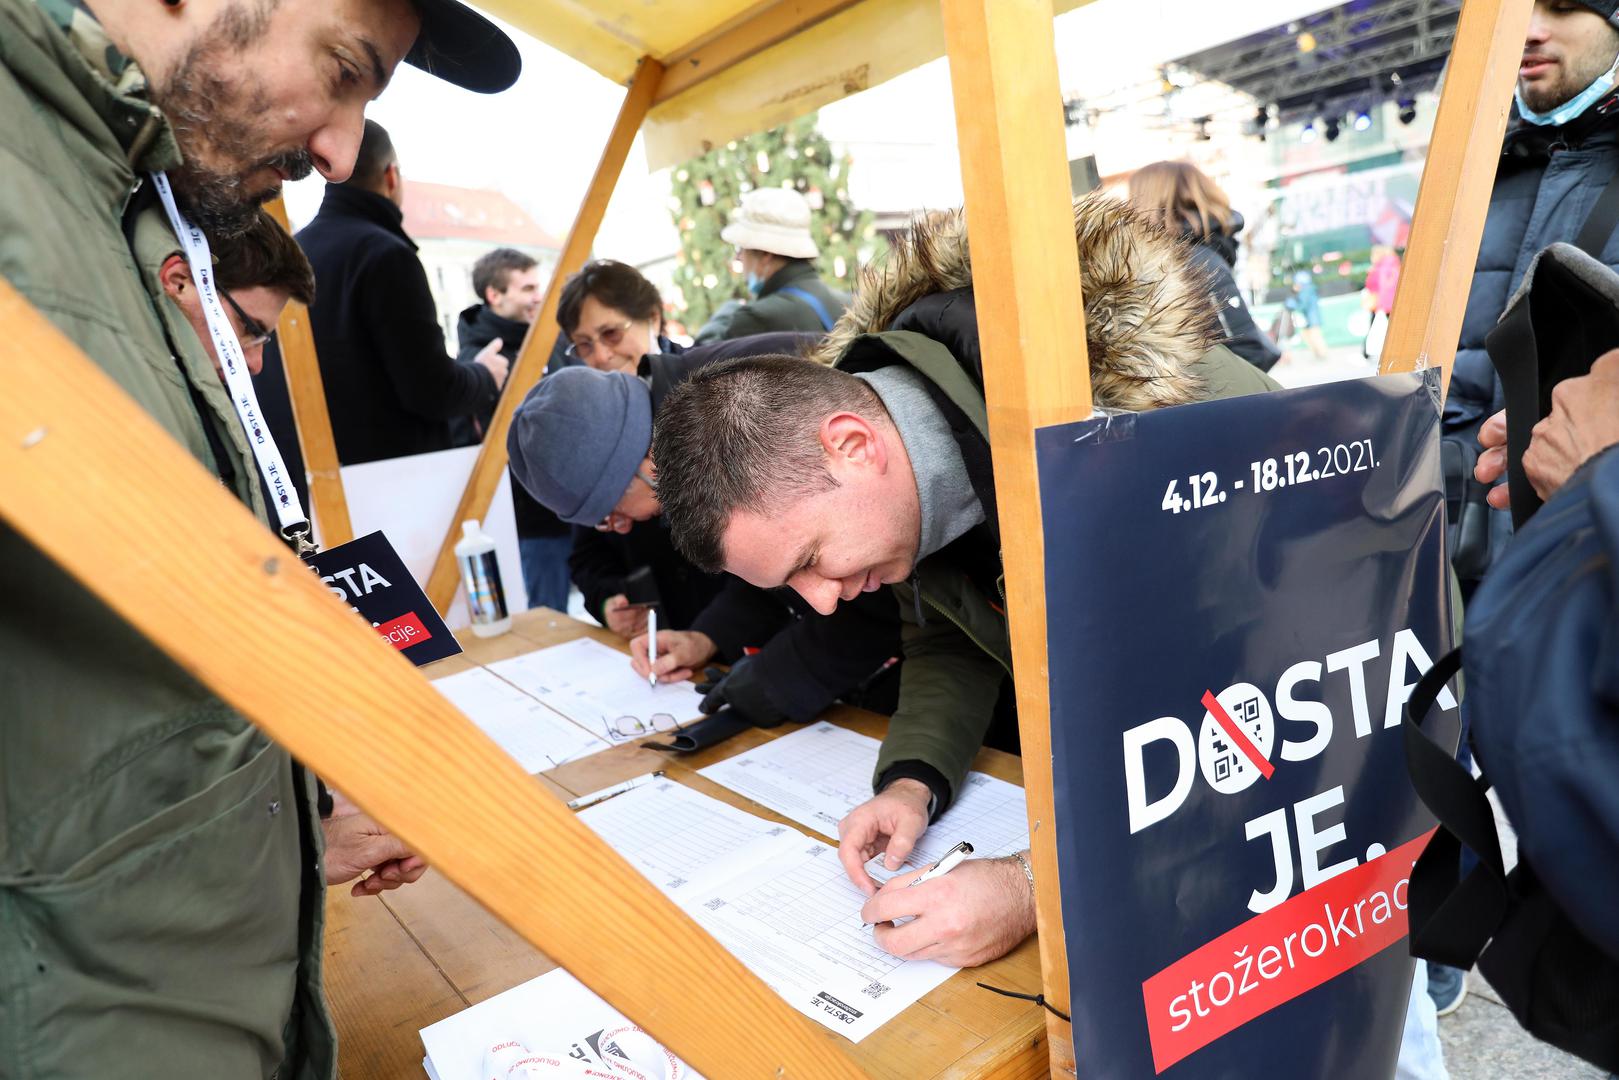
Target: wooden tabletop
x,y
402,961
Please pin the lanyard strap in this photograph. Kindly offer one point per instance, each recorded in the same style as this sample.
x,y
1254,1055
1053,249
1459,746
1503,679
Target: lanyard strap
x,y
238,381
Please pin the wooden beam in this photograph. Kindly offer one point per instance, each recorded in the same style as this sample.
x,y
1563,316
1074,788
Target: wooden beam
x,y
771,25
237,611
1475,100
301,366
1020,224
531,360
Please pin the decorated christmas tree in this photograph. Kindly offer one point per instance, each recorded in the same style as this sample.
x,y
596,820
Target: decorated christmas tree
x,y
706,190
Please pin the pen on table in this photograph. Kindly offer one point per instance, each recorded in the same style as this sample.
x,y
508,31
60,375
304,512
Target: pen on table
x,y
952,859
584,801
651,646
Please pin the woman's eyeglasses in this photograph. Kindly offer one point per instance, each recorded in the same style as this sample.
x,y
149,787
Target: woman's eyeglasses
x,y
607,339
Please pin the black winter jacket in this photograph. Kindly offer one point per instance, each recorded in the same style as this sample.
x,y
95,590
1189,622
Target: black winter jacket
x,y
477,327
1215,254
390,386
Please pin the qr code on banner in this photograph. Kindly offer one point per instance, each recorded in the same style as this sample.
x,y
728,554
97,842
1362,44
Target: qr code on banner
x,y
875,990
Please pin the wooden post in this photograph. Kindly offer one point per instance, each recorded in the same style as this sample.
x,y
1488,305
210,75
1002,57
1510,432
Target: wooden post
x,y
1457,178
301,366
492,457
233,607
1020,223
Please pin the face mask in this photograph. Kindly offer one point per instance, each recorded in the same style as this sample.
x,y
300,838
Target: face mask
x,y
755,282
1575,105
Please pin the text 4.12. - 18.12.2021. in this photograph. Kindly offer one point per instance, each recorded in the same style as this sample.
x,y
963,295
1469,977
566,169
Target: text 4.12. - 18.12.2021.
x,y
1268,474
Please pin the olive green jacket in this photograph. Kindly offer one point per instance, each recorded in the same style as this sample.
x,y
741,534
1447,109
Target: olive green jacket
x,y
954,631
160,889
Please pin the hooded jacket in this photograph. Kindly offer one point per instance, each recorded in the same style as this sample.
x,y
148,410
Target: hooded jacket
x,y
160,886
1151,339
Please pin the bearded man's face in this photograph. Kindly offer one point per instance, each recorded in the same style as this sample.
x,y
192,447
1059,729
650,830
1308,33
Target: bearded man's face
x,y
271,91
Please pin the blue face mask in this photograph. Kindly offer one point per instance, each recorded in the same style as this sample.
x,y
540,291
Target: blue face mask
x,y
755,282
1575,105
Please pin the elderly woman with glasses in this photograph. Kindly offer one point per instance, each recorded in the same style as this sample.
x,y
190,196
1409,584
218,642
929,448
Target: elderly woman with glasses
x,y
612,317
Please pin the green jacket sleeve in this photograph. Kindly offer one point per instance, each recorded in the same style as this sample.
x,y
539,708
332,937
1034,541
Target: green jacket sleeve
x,y
948,690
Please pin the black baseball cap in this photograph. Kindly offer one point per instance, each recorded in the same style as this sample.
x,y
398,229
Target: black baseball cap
x,y
462,47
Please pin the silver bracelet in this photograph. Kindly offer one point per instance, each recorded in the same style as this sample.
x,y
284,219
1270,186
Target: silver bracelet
x,y
1028,871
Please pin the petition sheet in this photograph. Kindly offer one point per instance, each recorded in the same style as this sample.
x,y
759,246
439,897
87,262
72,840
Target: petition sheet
x,y
775,898
795,922
817,775
595,686
682,840
557,1026
536,736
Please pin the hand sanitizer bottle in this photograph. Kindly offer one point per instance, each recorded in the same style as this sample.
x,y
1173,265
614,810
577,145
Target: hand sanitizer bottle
x,y
480,573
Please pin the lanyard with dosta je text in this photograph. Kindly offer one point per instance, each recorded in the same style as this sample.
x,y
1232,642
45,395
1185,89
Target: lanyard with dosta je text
x,y
238,381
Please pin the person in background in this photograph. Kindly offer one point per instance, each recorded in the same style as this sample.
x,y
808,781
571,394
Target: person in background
x,y
1179,197
1382,281
612,317
391,388
508,283
774,247
1305,304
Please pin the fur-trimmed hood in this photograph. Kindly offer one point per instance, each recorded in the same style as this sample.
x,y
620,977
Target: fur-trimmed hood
x,y
1148,317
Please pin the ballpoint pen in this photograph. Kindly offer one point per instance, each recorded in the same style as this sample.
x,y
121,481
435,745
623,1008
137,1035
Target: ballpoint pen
x,y
651,646
952,859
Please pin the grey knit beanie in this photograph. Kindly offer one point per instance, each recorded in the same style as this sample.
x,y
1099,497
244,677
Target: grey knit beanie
x,y
577,439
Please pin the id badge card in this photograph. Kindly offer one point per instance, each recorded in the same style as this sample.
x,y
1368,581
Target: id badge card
x,y
369,576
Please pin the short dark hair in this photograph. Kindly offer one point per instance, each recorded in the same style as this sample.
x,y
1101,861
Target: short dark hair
x,y
618,285
744,435
264,255
496,268
376,154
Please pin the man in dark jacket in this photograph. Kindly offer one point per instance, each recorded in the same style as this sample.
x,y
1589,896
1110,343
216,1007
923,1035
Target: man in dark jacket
x,y
1560,153
878,473
391,388
509,283
580,444
771,231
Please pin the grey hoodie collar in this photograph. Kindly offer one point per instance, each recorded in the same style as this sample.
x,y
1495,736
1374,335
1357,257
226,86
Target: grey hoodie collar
x,y
949,505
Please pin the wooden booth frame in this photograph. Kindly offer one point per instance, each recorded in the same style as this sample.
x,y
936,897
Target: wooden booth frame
x,y
361,716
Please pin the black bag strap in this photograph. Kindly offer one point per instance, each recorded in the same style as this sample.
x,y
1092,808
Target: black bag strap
x,y
1601,221
1452,919
1516,356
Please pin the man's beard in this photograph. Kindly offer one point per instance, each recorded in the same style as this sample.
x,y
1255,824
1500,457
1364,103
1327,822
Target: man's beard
x,y
212,102
1577,75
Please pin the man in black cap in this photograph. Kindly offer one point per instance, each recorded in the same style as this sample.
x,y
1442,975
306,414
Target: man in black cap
x,y
162,874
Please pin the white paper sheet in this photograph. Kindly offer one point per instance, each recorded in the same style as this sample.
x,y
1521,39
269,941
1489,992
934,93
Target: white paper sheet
x,y
536,736
682,840
794,920
595,685
778,900
554,1016
817,775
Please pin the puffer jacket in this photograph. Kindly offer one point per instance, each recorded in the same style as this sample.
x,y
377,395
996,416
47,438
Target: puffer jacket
x,y
1215,253
1546,184
160,892
1151,338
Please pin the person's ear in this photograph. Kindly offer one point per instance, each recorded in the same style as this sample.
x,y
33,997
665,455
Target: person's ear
x,y
175,277
490,293
853,442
